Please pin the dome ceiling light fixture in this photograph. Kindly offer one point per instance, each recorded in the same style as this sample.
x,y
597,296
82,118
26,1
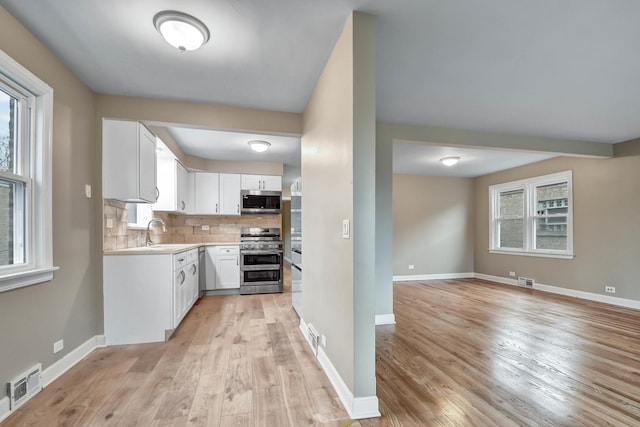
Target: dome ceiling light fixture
x,y
259,146
449,161
182,31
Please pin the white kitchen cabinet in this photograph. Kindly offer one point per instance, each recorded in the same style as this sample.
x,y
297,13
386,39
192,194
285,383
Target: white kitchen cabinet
x,y
217,194
229,194
206,193
146,296
174,187
262,182
223,267
128,162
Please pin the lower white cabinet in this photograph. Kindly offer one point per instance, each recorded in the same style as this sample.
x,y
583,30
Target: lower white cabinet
x,y
222,267
146,296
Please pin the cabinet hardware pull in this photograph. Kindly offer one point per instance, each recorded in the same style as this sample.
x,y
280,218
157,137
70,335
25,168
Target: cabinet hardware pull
x,y
216,208
238,208
157,193
184,205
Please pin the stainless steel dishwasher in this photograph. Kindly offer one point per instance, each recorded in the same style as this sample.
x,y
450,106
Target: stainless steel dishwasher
x,y
202,282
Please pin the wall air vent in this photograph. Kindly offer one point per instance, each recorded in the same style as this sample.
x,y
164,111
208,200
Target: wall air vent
x,y
526,282
24,387
313,338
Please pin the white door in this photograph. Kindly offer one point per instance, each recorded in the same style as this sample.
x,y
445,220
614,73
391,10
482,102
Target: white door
x,y
228,271
147,164
206,194
229,194
272,183
251,182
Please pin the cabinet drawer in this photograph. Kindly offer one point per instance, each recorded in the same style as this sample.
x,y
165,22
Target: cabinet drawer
x,y
227,250
179,260
192,255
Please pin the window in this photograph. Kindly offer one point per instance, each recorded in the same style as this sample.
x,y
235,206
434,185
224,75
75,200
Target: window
x,y
533,216
26,105
139,215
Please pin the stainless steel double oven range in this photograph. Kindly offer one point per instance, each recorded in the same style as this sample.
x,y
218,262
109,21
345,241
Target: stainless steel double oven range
x,y
260,260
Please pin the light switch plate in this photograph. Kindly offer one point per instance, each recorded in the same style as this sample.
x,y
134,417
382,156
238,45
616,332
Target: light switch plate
x,y
109,223
87,191
345,228
205,228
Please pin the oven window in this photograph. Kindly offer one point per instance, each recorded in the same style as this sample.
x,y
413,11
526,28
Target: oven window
x,y
261,276
261,259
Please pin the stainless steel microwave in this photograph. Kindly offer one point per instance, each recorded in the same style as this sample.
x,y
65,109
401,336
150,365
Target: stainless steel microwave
x,y
260,202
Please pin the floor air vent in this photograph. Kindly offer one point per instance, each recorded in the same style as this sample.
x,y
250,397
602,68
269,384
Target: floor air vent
x,y
24,387
313,338
524,281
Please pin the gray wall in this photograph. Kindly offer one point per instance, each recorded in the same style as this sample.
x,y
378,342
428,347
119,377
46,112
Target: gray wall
x,y
606,204
433,224
339,124
70,306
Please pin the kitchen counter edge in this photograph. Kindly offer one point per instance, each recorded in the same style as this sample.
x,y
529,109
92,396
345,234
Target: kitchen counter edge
x,y
173,250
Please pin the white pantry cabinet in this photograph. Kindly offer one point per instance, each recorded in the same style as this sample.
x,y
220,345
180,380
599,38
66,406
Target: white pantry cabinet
x,y
216,194
262,182
128,162
175,187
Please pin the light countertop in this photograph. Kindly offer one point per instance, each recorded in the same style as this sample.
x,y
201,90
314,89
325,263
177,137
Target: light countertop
x,y
165,248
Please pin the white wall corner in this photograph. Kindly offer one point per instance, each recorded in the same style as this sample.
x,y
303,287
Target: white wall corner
x,y
61,366
4,408
442,276
385,319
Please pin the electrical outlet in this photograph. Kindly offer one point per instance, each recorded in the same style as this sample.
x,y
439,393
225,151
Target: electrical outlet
x,y
205,228
87,191
323,340
345,229
411,266
109,223
610,289
58,346
512,273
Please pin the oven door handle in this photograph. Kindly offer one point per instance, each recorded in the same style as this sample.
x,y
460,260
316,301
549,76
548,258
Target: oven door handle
x,y
260,252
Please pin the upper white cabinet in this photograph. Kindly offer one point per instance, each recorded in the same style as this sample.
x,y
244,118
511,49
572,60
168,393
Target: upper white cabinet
x,y
206,193
229,194
128,162
217,194
175,187
262,182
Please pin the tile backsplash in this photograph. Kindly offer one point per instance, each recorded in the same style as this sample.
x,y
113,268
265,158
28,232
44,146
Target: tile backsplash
x,y
180,228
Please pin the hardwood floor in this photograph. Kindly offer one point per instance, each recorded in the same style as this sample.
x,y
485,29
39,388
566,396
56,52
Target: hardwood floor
x,y
473,353
463,353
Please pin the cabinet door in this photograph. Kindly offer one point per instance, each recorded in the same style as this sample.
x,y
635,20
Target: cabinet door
x,y
227,271
210,268
272,183
206,194
251,182
166,185
147,164
193,283
178,307
229,194
182,185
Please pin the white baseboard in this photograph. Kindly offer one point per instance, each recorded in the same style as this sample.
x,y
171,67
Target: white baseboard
x,y
590,296
385,319
59,367
443,276
4,408
357,408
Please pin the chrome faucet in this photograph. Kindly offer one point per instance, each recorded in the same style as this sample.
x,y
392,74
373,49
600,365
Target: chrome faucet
x,y
148,241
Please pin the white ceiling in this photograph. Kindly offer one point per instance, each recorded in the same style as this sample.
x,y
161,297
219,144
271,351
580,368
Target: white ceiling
x,y
555,68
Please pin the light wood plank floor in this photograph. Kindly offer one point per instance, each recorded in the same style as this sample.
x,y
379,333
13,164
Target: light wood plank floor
x,y
463,353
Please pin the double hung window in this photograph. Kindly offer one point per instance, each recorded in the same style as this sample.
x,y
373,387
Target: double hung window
x,y
533,216
26,105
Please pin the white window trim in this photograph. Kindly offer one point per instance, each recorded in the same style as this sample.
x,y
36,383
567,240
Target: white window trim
x,y
142,222
528,186
39,267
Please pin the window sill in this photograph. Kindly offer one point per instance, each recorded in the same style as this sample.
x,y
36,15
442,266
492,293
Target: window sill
x,y
533,254
26,278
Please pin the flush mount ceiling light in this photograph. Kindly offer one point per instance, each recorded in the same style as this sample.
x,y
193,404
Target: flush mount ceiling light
x,y
259,146
182,31
449,161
